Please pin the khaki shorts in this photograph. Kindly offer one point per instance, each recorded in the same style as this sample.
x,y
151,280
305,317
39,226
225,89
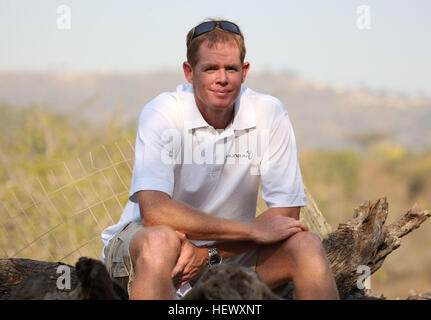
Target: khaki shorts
x,y
119,264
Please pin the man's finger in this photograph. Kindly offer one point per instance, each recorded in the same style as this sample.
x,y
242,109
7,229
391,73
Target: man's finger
x,y
181,235
299,224
294,230
179,268
177,279
183,282
304,226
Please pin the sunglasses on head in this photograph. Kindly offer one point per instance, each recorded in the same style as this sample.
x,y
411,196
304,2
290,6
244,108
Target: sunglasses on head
x,y
210,25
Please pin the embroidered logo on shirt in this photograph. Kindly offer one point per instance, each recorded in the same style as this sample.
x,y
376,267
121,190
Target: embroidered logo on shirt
x,y
246,155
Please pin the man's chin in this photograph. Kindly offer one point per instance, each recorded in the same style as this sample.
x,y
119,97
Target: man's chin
x,y
221,103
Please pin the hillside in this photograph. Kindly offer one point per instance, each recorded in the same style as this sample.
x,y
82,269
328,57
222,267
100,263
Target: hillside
x,y
324,116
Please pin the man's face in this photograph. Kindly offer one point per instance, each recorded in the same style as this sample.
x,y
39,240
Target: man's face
x,y
217,76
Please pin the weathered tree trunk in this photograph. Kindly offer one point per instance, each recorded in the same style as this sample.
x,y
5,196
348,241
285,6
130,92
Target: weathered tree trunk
x,y
14,273
362,241
366,241
26,279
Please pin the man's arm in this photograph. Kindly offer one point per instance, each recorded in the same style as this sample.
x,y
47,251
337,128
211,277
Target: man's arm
x,y
157,208
230,249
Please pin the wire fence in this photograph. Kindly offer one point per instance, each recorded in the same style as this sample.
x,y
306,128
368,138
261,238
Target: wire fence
x,y
60,216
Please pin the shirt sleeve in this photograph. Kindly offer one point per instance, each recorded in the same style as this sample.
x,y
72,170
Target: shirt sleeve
x,y
281,178
156,141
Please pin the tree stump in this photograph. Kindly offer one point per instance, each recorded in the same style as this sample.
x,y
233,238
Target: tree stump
x,y
364,241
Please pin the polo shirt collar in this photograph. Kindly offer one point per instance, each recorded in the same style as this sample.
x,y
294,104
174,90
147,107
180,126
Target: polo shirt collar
x,y
244,115
192,117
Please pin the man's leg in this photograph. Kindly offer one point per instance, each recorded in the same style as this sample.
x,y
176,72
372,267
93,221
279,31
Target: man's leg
x,y
300,258
153,253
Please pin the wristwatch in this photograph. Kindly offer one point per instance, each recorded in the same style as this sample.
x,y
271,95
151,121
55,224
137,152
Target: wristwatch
x,y
214,257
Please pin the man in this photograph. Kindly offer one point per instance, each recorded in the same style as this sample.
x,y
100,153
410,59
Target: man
x,y
200,153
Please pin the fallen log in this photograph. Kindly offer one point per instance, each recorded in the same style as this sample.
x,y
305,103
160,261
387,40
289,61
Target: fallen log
x,y
17,274
364,241
25,279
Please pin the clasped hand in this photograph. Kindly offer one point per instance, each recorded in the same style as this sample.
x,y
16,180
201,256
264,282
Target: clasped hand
x,y
191,261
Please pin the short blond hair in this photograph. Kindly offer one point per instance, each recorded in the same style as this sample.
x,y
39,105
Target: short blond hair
x,y
216,36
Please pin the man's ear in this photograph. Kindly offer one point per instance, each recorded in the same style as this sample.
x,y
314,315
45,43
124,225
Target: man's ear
x,y
245,68
188,71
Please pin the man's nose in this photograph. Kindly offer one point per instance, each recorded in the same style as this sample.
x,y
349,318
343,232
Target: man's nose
x,y
222,78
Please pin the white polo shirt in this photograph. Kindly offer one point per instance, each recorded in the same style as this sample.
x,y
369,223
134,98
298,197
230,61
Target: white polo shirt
x,y
216,171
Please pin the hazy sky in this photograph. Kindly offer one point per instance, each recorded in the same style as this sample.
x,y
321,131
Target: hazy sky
x,y
320,40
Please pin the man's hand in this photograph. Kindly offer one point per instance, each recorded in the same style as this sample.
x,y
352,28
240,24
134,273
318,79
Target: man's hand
x,y
275,229
191,261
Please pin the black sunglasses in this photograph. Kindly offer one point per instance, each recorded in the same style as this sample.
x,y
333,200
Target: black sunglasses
x,y
208,26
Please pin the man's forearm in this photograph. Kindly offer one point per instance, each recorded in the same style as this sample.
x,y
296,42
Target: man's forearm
x,y
196,224
230,249
273,225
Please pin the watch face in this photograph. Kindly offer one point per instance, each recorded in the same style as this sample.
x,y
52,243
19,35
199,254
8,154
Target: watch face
x,y
215,259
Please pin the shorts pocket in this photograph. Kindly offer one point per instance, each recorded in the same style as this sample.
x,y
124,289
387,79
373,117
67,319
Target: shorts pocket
x,y
119,266
120,257
119,269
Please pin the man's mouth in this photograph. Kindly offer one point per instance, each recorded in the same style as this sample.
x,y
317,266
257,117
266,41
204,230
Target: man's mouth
x,y
221,93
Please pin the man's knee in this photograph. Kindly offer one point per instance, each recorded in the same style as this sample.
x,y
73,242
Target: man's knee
x,y
304,244
154,243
